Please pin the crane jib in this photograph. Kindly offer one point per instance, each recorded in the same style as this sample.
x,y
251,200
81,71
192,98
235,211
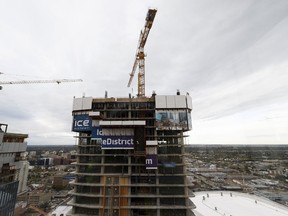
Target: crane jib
x,y
140,56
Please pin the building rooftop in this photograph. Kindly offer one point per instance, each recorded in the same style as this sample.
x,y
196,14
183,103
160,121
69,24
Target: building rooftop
x,y
235,204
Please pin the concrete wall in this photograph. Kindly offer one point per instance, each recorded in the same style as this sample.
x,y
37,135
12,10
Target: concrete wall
x,y
173,102
13,147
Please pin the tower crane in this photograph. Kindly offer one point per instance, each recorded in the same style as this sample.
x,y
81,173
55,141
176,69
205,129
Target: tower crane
x,y
58,81
140,56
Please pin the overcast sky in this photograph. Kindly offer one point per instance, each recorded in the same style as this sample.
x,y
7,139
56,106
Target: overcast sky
x,y
231,56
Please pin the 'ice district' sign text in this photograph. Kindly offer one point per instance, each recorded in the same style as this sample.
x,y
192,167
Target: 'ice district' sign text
x,y
112,142
117,142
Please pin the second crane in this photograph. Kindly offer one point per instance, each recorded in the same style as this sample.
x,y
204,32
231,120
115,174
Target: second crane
x,y
140,56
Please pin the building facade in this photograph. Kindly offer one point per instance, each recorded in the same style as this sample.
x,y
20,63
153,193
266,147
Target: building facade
x,y
12,155
130,156
40,197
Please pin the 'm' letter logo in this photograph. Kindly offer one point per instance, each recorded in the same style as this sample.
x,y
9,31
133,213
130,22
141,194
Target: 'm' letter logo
x,y
149,161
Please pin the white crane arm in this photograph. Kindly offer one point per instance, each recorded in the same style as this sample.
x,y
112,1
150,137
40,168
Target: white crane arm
x,y
39,81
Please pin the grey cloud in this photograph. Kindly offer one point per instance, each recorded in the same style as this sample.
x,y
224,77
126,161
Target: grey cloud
x,y
250,105
195,46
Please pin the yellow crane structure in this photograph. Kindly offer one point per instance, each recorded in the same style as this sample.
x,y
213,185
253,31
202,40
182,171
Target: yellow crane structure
x,y
140,55
58,81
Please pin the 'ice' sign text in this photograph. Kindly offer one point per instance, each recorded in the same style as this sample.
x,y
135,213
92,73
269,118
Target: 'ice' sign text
x,y
82,123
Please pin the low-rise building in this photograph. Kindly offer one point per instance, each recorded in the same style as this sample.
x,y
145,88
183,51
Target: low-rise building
x,y
39,197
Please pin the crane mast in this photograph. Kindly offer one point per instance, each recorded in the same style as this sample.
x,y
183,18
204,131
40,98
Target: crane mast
x,y
140,56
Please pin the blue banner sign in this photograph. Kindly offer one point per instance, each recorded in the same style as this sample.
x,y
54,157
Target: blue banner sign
x,y
82,123
112,142
96,133
117,142
151,161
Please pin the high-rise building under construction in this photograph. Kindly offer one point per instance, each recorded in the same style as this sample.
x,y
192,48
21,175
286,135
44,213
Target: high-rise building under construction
x,y
130,156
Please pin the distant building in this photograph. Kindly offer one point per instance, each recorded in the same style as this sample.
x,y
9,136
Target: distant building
x,y
59,160
39,197
13,168
45,162
59,182
32,153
